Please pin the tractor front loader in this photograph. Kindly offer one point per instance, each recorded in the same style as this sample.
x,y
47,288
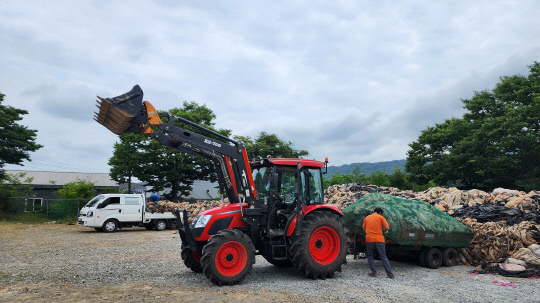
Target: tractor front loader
x,y
276,206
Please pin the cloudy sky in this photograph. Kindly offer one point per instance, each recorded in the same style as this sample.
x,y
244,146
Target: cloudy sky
x,y
355,81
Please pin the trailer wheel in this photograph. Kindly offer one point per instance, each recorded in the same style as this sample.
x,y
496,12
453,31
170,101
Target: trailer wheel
x,y
160,225
321,248
191,258
228,257
449,257
422,256
433,257
110,226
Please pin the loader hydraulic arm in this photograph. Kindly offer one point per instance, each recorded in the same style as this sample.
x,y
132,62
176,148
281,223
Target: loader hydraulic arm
x,y
128,113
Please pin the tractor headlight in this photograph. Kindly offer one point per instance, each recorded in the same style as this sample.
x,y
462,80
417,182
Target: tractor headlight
x,y
90,213
201,220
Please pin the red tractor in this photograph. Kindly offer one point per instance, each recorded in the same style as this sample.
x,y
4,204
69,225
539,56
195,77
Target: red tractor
x,y
276,206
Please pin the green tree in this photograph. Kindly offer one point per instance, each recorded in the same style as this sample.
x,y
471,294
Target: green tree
x,y
13,186
495,143
379,178
16,140
399,179
80,189
127,158
270,146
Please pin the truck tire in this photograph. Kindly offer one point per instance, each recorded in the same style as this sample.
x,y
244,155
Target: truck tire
x,y
110,226
433,258
160,225
449,257
192,259
422,256
321,248
228,257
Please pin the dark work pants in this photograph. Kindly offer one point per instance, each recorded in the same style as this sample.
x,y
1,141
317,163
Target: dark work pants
x,y
379,246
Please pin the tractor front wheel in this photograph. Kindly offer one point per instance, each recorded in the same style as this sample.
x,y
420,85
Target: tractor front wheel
x,y
321,248
191,258
228,257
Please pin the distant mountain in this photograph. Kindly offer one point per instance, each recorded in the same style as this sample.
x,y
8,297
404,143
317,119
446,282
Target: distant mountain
x,y
368,168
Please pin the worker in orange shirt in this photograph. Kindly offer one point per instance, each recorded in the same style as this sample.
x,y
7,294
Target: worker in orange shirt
x,y
373,226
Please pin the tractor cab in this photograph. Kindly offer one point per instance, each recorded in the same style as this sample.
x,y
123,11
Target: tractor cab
x,y
288,187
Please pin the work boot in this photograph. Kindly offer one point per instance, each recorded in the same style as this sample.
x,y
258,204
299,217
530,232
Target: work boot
x,y
392,277
372,274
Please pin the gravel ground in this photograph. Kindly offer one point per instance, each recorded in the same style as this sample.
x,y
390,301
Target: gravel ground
x,y
69,263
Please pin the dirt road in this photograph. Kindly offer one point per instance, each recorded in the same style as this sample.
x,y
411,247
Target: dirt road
x,y
69,263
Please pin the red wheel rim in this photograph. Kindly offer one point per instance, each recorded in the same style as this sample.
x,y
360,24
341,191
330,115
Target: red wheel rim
x,y
231,258
324,245
197,255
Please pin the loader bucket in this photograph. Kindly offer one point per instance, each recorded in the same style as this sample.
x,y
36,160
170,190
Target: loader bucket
x,y
118,113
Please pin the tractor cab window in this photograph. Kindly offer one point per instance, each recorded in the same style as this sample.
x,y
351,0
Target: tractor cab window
x,y
261,178
312,186
286,182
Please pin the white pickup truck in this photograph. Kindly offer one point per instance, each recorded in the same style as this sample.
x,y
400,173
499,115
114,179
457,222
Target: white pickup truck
x,y
108,212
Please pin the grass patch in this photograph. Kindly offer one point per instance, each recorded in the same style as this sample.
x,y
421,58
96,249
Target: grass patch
x,y
26,218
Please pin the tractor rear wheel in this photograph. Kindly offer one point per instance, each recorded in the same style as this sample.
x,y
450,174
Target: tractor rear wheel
x,y
321,248
228,257
191,258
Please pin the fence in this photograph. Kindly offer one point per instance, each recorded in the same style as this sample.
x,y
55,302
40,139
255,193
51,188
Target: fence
x,y
55,209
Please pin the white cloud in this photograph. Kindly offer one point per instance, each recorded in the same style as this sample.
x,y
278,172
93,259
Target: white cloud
x,y
354,81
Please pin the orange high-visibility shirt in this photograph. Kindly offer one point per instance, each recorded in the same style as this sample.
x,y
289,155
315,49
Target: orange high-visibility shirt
x,y
373,225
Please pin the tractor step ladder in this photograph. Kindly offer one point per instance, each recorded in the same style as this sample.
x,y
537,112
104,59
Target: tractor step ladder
x,y
280,247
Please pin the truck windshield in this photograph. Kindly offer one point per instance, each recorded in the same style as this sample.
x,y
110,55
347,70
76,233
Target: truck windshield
x,y
94,201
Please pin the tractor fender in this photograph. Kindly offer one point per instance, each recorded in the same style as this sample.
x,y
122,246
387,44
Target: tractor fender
x,y
311,208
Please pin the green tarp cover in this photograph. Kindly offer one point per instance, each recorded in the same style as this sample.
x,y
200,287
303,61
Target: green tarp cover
x,y
412,223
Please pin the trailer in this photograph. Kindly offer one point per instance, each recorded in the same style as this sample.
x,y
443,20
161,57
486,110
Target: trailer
x,y
417,229
108,212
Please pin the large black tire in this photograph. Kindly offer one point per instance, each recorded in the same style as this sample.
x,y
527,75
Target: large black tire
x,y
228,257
422,256
192,259
449,257
279,263
321,248
160,225
110,226
433,258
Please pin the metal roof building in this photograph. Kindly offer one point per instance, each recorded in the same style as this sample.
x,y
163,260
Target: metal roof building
x,y
48,178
